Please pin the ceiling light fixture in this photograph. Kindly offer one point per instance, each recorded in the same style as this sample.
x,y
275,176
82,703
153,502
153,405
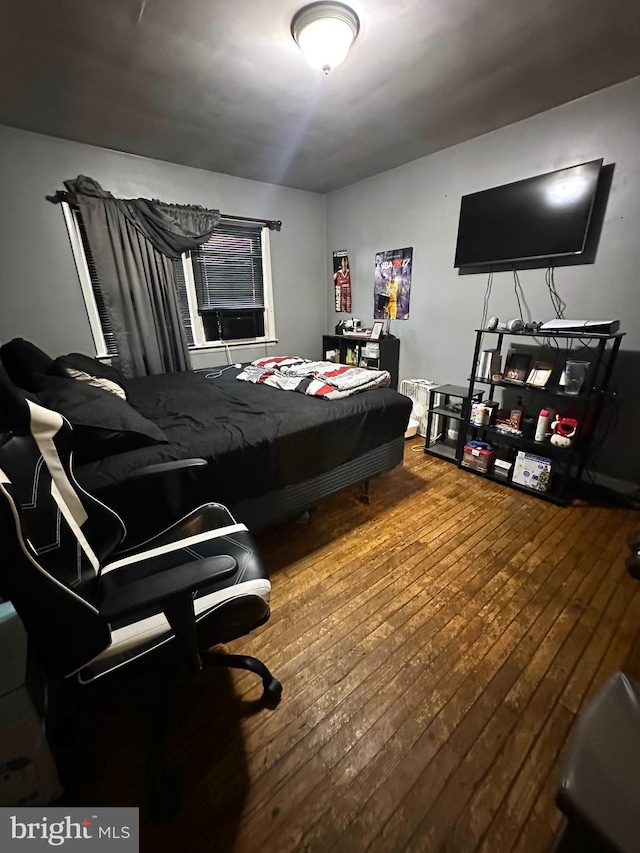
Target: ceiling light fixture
x,y
324,33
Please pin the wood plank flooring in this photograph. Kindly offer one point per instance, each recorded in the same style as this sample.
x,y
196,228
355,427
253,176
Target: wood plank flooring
x,y
434,647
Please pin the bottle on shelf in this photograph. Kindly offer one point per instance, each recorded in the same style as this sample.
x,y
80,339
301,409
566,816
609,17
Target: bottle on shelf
x,y
542,426
517,413
481,414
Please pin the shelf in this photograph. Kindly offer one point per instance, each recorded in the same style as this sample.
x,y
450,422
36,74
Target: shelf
x,y
569,463
444,451
544,333
556,390
358,337
350,350
452,390
447,448
506,481
542,448
447,413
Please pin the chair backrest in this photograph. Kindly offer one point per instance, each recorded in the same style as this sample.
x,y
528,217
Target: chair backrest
x,y
65,629
54,535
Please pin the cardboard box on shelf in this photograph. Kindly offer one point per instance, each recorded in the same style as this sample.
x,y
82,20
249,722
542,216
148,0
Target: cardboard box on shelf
x,y
531,471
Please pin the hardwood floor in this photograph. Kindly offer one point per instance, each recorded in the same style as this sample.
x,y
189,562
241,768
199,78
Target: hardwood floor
x,y
434,647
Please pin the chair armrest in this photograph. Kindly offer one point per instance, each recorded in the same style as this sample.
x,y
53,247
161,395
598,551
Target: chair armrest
x,y
162,468
118,598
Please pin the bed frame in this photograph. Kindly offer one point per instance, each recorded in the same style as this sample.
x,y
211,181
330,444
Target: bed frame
x,y
290,501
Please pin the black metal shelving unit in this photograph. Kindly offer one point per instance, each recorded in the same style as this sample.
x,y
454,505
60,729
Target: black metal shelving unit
x,y
446,410
567,464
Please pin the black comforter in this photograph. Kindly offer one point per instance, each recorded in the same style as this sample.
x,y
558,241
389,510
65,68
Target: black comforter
x,y
254,438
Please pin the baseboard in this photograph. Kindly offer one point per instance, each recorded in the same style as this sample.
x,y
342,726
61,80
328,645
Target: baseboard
x,y
625,488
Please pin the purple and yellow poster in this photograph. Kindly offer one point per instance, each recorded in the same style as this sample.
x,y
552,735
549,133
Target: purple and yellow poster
x,y
392,284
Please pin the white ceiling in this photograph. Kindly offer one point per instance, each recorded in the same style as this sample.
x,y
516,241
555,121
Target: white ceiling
x,y
221,85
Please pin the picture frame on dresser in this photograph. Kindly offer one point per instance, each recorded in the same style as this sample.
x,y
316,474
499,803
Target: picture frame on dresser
x,y
540,374
376,331
517,367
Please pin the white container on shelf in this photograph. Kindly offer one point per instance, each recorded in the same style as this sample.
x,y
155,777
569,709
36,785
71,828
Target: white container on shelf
x,y
576,372
488,363
542,427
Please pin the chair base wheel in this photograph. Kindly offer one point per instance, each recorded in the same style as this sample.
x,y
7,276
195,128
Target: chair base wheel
x,y
271,687
272,693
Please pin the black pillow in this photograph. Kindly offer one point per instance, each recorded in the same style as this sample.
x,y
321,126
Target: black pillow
x,y
103,423
75,365
23,360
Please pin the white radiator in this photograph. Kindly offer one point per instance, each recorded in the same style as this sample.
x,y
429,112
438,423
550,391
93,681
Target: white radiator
x,y
418,391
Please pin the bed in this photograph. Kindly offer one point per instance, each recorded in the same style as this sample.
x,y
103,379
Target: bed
x,y
271,453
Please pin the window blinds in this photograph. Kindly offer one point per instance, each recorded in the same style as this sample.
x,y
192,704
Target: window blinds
x,y
185,314
228,269
105,322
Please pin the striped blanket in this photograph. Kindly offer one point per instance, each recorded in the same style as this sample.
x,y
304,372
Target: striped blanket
x,y
315,378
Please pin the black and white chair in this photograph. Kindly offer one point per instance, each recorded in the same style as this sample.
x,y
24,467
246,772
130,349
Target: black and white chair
x,y
89,609
633,560
598,792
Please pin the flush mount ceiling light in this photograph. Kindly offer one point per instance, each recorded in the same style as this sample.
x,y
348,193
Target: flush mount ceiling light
x,y
325,32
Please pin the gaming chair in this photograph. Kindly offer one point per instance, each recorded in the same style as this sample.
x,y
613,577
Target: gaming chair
x,y
89,609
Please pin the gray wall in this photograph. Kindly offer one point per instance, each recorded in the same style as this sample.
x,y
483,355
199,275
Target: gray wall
x,y
39,293
415,205
418,205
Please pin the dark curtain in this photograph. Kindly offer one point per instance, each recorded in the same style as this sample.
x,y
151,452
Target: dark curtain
x,y
133,242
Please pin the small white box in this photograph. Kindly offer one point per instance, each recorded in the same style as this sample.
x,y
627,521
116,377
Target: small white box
x,y
371,351
502,467
532,471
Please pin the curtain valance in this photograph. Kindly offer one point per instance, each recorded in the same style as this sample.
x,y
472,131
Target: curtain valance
x,y
170,228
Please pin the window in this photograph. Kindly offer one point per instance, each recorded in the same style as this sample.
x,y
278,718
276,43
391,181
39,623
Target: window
x,y
224,287
99,322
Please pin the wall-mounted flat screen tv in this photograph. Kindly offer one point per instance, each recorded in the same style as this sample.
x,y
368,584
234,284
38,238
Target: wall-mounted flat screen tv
x,y
543,217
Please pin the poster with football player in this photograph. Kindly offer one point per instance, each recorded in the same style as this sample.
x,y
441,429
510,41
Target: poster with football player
x,y
342,281
392,284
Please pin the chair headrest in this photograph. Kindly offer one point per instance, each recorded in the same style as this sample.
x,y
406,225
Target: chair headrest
x,y
23,360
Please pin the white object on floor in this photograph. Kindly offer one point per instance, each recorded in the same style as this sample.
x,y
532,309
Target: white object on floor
x,y
418,391
412,428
